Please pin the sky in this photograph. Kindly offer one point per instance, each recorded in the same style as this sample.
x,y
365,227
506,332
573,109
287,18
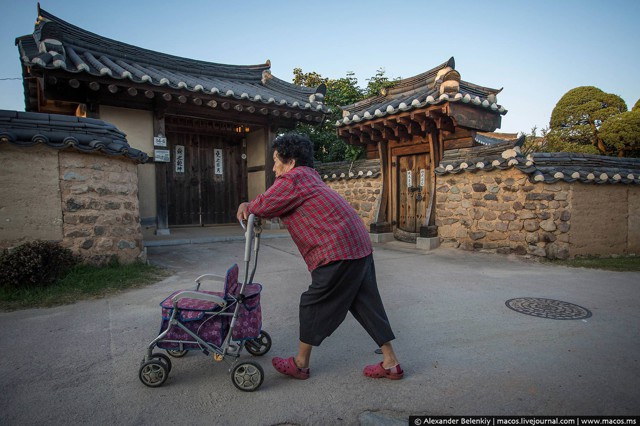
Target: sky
x,y
535,50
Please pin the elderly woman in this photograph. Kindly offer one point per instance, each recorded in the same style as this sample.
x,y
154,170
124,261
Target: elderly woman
x,y
337,250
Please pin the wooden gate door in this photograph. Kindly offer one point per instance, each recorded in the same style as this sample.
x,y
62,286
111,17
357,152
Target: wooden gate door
x,y
205,179
413,194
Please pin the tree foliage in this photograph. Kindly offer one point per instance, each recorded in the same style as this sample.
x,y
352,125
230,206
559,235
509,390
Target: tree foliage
x,y
621,134
579,114
342,91
547,141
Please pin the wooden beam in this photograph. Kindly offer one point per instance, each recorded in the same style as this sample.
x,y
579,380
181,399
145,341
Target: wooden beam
x,y
74,83
149,94
167,96
113,88
197,101
161,169
94,85
386,131
182,99
132,91
474,118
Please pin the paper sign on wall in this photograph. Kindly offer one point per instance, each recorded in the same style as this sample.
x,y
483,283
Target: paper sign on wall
x,y
161,155
409,179
423,177
159,141
217,161
179,159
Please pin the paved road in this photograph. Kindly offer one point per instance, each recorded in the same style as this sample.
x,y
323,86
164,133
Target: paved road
x,y
463,350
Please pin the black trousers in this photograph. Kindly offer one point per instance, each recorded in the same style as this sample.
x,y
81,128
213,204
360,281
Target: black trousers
x,y
338,288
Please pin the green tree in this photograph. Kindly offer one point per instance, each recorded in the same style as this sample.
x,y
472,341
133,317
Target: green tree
x,y
621,134
636,106
342,91
578,115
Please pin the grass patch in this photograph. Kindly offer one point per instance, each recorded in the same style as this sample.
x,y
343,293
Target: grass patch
x,y
624,264
83,282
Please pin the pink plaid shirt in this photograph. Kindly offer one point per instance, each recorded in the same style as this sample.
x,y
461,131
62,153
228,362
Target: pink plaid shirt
x,y
323,225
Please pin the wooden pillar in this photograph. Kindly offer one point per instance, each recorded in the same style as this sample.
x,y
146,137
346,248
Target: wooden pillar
x,y
269,176
428,228
162,202
381,223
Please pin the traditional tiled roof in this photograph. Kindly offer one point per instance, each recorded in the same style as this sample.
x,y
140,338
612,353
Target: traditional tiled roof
x,y
542,167
63,131
58,45
434,87
360,169
493,138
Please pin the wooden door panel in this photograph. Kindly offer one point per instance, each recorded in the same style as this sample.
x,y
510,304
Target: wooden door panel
x,y
413,191
198,195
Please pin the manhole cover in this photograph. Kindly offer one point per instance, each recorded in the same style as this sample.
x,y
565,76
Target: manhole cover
x,y
548,308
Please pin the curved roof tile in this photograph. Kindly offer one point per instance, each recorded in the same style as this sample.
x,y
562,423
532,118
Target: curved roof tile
x,y
56,44
436,86
63,131
344,170
542,167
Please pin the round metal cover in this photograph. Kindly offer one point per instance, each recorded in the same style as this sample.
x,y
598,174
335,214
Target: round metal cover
x,y
548,308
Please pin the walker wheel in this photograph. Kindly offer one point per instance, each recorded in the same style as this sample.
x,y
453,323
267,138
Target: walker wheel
x,y
163,358
247,376
177,353
260,345
153,373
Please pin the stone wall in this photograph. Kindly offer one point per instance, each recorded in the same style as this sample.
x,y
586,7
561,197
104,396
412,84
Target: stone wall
x,y
87,202
360,183
99,197
363,195
502,211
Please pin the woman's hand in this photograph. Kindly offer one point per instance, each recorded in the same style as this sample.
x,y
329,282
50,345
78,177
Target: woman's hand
x,y
243,212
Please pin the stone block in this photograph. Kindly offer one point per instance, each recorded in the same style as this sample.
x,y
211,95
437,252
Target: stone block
x,y
427,243
382,238
479,187
548,225
477,235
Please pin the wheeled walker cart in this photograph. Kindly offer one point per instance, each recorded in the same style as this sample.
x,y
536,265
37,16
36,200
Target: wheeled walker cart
x,y
219,324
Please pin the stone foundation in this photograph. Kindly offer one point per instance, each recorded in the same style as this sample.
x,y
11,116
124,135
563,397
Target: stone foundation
x,y
502,211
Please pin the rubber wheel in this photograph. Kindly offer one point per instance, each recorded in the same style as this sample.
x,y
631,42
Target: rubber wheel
x,y
176,353
163,358
153,373
260,345
247,376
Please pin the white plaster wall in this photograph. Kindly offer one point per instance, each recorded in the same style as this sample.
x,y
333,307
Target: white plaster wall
x,y
29,195
138,126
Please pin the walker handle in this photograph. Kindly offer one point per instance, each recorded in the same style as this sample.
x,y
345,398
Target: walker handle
x,y
249,231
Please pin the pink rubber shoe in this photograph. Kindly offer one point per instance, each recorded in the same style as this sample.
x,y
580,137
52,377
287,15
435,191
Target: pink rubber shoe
x,y
287,366
377,371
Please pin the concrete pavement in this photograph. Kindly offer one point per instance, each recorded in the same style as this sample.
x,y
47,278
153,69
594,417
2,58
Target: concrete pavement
x,y
463,350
